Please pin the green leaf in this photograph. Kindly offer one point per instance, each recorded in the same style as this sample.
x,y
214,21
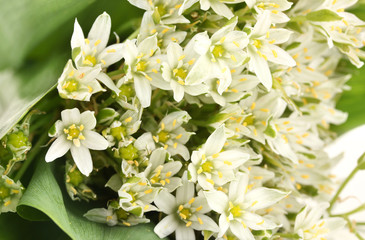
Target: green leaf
x,y
323,15
44,194
24,90
361,162
352,101
24,24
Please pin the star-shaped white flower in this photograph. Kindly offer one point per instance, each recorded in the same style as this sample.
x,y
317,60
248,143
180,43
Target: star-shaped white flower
x,y
74,132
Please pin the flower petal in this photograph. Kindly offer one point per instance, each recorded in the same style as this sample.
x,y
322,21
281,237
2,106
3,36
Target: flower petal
x,y
261,197
260,66
82,158
94,141
143,91
217,200
185,192
240,231
58,148
111,54
184,233
215,141
71,116
165,202
166,226
106,80
101,30
77,39
88,120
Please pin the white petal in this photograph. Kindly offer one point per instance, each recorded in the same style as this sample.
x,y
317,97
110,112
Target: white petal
x,y
71,116
257,222
88,120
77,39
185,233
165,202
101,30
261,197
185,192
166,226
217,200
94,141
196,90
130,51
179,149
200,71
240,231
178,90
106,80
223,224
201,43
82,158
58,148
148,45
111,54
215,141
237,188
143,91
262,25
175,119
260,67
208,224
158,157
174,51
221,9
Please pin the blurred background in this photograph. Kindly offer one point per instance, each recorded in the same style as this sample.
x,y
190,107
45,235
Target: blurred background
x,y
35,45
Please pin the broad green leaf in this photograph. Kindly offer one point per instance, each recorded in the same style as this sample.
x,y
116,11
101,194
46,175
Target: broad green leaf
x,y
44,194
20,91
23,24
323,15
353,101
13,227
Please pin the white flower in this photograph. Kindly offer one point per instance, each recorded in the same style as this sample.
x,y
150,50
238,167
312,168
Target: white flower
x,y
275,7
171,136
237,209
142,66
161,170
218,7
92,51
74,132
218,54
310,225
262,48
79,84
213,167
185,213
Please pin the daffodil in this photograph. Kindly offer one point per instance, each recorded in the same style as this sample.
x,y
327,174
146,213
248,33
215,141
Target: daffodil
x,y
74,133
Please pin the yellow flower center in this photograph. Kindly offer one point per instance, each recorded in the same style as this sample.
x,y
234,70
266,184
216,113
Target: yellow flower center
x,y
249,120
71,85
181,73
4,192
90,59
185,213
163,136
257,44
161,9
235,211
141,66
218,51
207,166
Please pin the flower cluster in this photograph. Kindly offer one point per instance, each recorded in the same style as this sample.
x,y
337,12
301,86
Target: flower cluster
x,y
217,116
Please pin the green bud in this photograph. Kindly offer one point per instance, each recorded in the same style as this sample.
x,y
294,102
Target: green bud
x,y
118,132
129,152
17,139
127,90
106,115
75,177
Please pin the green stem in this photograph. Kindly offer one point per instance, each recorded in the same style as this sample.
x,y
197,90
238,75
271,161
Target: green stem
x,y
359,236
286,235
108,101
32,154
115,73
343,185
134,34
358,209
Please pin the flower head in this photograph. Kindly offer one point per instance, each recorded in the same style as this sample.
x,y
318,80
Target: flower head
x,y
74,132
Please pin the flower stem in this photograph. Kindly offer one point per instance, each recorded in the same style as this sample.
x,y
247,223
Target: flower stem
x,y
32,154
343,185
358,209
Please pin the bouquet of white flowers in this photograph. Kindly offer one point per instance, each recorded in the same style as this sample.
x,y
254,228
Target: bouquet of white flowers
x,y
210,121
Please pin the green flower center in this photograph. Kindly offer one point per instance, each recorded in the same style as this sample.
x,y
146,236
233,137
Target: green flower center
x,y
181,73
90,59
126,90
121,214
235,211
71,85
207,166
17,139
141,66
161,9
75,177
163,136
118,132
218,51
4,192
133,195
129,152
249,120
